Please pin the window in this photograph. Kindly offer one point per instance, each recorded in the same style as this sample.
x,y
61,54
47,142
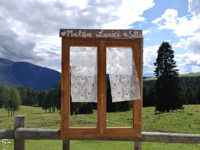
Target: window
x,y
86,62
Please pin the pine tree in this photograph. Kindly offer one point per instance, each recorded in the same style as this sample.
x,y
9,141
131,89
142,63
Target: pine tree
x,y
168,91
42,97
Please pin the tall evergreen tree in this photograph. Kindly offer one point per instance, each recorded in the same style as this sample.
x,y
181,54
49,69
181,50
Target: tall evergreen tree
x,y
41,99
168,91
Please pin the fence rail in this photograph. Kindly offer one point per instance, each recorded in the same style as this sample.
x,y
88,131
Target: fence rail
x,y
53,134
20,134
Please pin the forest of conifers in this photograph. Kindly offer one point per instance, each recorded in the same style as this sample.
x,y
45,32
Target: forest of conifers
x,y
190,86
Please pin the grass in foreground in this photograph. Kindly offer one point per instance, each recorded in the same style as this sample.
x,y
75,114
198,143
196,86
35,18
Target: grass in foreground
x,y
187,121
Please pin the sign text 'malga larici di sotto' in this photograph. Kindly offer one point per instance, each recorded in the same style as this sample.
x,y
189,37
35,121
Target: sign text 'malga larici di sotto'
x,y
84,33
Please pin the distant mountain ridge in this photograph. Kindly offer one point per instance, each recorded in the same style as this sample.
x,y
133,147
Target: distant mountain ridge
x,y
27,75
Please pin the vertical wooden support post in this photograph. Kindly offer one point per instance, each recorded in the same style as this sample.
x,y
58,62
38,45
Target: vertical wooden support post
x,y
19,122
66,144
137,145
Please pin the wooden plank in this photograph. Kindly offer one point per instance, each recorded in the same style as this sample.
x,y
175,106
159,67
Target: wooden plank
x,y
19,121
53,134
102,86
170,137
66,144
65,88
89,33
82,131
116,132
37,134
137,104
6,134
137,145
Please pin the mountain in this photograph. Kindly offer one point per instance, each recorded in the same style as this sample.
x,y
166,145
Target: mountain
x,y
148,75
27,75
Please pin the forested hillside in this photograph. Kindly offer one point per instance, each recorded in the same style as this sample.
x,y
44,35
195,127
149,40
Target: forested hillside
x,y
190,86
50,100
27,75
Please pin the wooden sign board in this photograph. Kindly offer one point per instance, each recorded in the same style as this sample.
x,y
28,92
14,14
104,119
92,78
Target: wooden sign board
x,y
82,33
100,39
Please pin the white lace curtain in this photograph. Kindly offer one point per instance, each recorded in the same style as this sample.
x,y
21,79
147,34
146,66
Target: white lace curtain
x,y
120,67
83,62
123,75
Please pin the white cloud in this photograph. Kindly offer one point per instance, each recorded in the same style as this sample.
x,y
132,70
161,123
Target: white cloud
x,y
149,58
11,47
188,62
167,20
47,18
128,13
191,43
72,3
181,26
186,27
194,44
194,6
146,31
36,24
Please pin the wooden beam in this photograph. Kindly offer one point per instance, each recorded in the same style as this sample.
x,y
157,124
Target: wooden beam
x,y
170,137
6,134
19,122
66,144
137,145
54,134
39,134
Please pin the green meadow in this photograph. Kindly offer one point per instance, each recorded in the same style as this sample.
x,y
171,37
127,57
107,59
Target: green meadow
x,y
183,121
197,74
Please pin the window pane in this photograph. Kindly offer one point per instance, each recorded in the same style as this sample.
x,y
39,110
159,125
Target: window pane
x,y
83,72
83,61
122,72
122,86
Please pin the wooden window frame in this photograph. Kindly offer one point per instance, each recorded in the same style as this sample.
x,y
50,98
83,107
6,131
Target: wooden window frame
x,y
101,131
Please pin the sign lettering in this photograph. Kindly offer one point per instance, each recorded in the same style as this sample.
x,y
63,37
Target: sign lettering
x,y
83,33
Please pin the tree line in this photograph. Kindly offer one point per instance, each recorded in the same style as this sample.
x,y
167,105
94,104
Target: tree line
x,y
168,92
12,97
50,101
190,86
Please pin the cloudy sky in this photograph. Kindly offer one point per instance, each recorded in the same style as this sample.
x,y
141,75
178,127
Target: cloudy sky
x,y
29,30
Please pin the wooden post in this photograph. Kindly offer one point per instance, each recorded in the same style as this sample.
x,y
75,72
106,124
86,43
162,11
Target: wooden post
x,y
66,145
19,122
137,145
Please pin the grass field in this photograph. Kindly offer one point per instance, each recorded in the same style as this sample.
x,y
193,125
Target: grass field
x,y
190,74
187,121
197,74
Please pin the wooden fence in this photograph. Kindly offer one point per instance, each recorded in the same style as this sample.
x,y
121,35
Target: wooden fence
x,y
20,134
